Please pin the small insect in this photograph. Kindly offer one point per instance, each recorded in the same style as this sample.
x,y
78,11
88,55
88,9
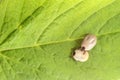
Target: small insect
x,y
88,43
81,55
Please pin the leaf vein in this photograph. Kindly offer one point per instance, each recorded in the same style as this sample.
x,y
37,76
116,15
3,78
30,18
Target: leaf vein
x,y
106,22
55,42
87,19
56,19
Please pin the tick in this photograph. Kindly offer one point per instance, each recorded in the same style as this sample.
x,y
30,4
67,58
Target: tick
x,y
80,55
88,43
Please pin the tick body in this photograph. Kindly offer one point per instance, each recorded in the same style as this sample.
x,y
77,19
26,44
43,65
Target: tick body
x,y
89,42
81,55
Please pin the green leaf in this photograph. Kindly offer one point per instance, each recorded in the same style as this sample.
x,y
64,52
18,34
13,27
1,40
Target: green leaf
x,y
37,38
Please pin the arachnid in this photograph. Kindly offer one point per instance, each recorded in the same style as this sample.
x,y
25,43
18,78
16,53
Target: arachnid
x,y
80,55
88,43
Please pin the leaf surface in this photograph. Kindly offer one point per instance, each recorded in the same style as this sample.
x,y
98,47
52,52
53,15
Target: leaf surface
x,y
37,38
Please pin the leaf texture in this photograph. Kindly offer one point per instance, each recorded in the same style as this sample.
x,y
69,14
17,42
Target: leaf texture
x,y
37,38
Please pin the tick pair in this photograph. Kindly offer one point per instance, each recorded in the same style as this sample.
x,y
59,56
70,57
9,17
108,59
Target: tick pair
x,y
88,43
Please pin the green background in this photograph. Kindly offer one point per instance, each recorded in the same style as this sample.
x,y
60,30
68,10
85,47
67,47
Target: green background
x,y
37,38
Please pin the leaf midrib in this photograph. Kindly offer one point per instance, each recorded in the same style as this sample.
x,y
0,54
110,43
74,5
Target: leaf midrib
x,y
55,42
